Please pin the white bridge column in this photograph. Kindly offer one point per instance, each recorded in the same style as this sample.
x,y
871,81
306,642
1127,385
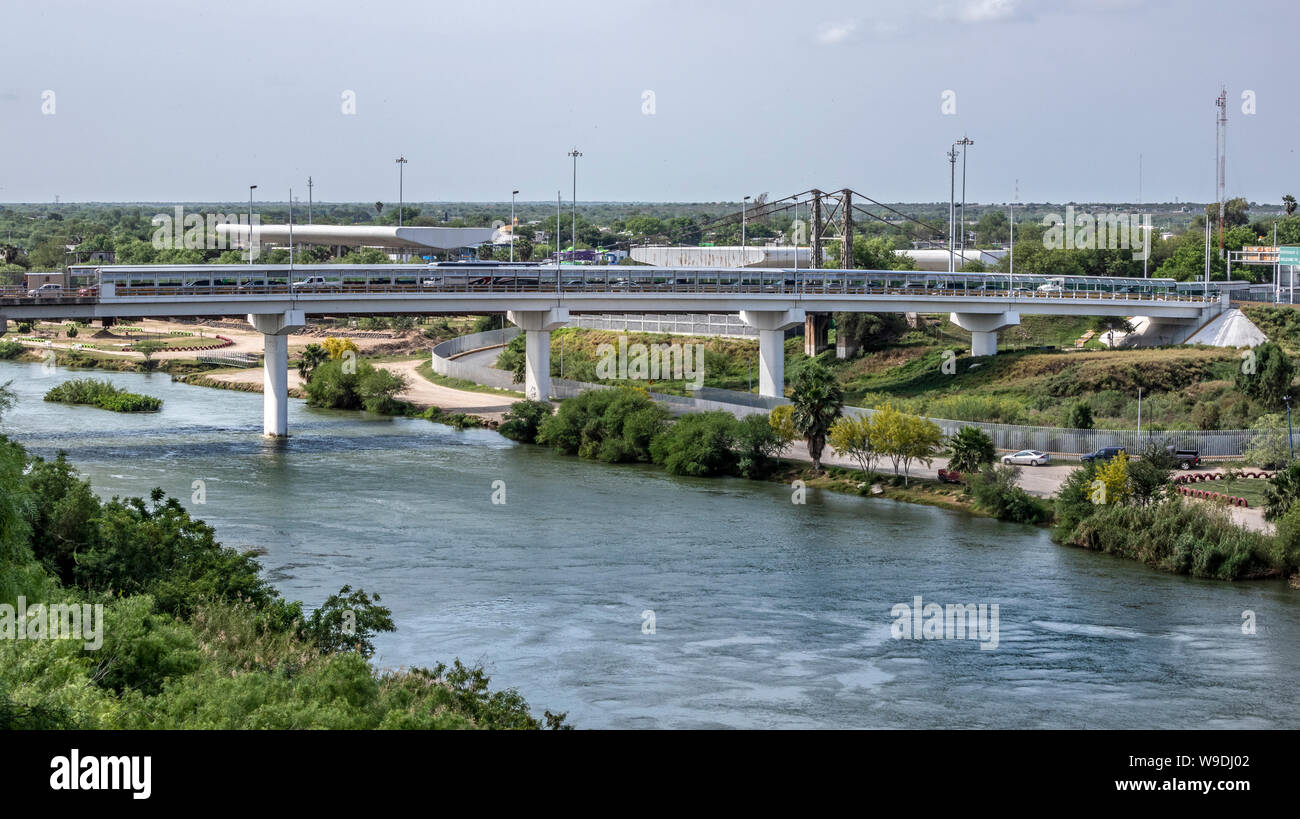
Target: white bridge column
x,y
275,329
537,326
771,326
984,329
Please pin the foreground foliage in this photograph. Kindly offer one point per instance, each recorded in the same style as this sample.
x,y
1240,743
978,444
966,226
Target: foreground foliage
x,y
193,635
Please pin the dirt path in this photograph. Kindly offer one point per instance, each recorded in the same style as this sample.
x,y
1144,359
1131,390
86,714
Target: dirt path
x,y
420,391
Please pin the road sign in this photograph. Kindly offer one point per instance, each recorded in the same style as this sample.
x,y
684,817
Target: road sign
x,y
1288,254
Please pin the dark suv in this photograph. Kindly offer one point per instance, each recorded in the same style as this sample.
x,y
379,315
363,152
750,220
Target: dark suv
x,y
1102,455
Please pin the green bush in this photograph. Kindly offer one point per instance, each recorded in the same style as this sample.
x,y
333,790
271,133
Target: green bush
x,y
971,449
102,394
758,446
10,349
699,444
1180,537
352,384
612,425
996,492
522,421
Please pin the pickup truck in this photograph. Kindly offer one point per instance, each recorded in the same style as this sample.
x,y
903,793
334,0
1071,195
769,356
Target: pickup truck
x,y
1102,455
1187,458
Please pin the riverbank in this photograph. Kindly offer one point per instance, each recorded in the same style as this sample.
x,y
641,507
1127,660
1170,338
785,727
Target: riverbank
x,y
769,614
924,486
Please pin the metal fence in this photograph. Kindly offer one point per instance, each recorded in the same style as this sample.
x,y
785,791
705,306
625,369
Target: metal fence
x,y
229,359
726,325
444,364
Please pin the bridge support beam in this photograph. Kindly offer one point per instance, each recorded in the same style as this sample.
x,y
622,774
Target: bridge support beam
x,y
537,326
275,329
815,328
771,326
984,329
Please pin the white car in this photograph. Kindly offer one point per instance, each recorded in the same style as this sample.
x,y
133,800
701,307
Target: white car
x,y
48,290
315,283
1027,457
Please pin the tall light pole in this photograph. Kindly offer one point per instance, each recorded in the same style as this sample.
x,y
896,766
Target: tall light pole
x,y
742,230
291,234
251,188
401,166
963,142
952,207
309,184
558,250
575,154
512,226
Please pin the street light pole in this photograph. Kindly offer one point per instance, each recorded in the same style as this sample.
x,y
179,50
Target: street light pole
x,y
952,198
251,188
963,143
575,154
309,183
512,226
401,166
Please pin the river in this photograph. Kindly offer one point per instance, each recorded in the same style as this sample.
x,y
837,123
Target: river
x,y
766,614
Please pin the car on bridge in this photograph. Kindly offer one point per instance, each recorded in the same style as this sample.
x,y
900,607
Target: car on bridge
x,y
49,290
1027,457
316,283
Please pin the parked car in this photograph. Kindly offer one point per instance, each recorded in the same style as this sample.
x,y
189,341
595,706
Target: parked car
x,y
1102,455
92,290
1027,457
45,291
1187,458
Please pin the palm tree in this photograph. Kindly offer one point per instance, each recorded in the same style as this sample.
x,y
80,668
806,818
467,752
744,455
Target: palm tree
x,y
312,355
817,400
1288,202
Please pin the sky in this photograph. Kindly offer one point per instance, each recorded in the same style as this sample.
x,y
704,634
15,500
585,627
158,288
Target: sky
x,y
143,100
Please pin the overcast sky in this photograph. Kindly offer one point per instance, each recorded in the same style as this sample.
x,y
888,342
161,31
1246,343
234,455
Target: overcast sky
x,y
667,101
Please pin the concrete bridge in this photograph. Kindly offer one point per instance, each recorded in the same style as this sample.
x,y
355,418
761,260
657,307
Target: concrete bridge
x,y
277,299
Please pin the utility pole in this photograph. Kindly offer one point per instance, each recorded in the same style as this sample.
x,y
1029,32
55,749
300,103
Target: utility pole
x,y
401,166
575,154
557,228
291,236
309,184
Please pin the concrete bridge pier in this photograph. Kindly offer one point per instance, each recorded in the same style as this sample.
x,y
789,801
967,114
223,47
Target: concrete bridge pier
x,y
984,328
4,325
771,326
815,327
537,326
275,329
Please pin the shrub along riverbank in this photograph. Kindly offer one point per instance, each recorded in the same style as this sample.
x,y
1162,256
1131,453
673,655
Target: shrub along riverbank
x,y
192,635
1123,508
104,395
